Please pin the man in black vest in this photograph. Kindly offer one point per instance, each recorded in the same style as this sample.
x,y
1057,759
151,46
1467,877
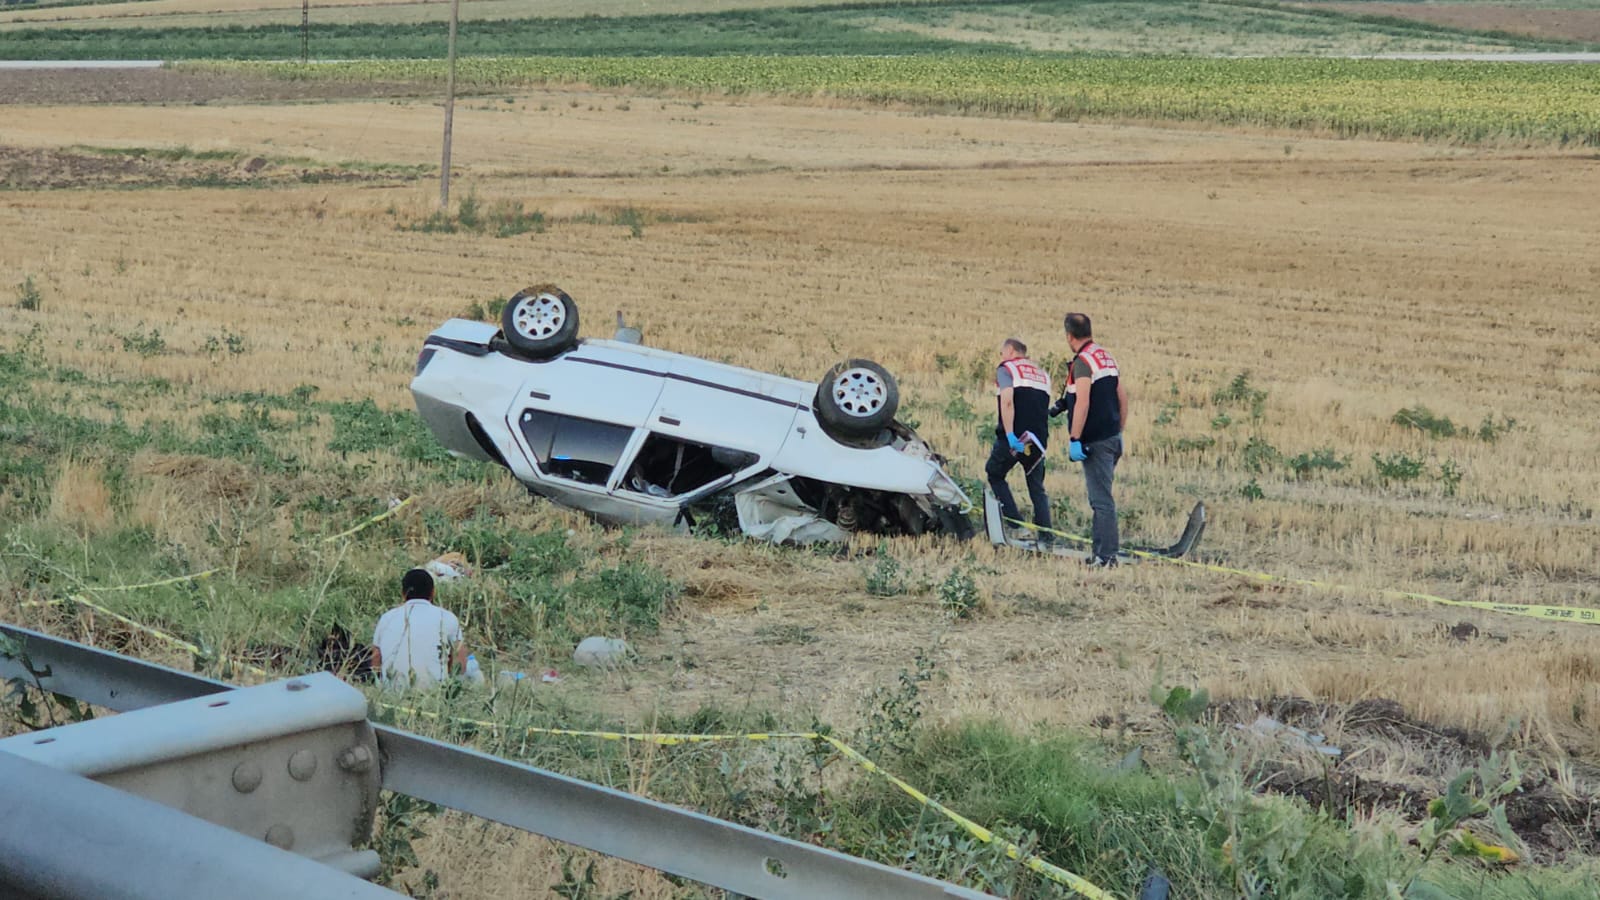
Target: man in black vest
x,y
1096,405
1021,434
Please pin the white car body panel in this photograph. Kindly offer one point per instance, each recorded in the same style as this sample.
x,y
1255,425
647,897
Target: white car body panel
x,y
464,377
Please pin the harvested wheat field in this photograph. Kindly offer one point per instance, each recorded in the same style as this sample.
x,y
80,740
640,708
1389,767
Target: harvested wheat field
x,y
1297,318
1569,24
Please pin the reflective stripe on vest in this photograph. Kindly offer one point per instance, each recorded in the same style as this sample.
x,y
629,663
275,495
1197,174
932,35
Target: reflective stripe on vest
x,y
1101,365
1024,374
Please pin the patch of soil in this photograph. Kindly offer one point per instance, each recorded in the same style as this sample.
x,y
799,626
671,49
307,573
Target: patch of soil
x,y
54,87
1552,822
1552,24
29,168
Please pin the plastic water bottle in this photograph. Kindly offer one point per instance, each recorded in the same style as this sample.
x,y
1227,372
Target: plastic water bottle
x,y
473,672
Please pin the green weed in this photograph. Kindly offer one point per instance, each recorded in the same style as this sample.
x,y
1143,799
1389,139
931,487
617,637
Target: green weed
x,y
1240,392
1258,455
503,218
1324,459
149,343
885,578
1424,420
1490,431
893,713
633,594
229,342
1450,475
1398,466
28,296
958,594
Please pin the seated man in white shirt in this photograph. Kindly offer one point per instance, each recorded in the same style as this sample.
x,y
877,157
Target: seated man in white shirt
x,y
417,644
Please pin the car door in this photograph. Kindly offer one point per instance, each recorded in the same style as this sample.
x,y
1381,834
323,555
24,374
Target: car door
x,y
720,406
579,418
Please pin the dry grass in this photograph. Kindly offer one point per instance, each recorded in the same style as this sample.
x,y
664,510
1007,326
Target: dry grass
x,y
80,499
1349,278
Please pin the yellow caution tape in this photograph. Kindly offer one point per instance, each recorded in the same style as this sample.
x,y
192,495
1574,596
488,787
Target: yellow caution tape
x,y
207,573
176,579
370,522
1533,610
1044,868
173,640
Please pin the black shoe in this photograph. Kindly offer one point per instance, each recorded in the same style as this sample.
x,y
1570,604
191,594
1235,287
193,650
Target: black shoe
x,y
1101,562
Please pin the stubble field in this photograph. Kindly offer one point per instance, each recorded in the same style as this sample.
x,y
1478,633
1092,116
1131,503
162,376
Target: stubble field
x,y
1274,300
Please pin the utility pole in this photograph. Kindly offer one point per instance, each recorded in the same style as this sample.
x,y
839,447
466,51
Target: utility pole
x,y
305,30
449,112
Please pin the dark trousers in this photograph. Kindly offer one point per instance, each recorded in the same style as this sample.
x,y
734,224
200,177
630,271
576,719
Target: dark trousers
x,y
1000,462
1099,467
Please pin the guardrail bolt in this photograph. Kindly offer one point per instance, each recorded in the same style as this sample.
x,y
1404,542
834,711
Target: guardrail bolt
x,y
302,765
281,836
355,759
246,777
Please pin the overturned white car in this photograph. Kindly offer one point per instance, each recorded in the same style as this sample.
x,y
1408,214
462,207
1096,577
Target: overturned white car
x,y
636,435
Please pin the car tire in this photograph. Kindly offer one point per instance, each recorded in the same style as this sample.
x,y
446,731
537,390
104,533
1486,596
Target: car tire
x,y
540,322
857,399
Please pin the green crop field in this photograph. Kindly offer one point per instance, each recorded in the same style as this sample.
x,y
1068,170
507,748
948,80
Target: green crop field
x,y
1466,102
1190,27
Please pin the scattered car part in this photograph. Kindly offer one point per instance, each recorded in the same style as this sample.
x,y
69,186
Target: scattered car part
x,y
995,527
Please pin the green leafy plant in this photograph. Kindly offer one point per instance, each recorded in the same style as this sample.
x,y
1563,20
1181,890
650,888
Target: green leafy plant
x,y
28,296
894,712
402,821
1450,475
574,886
1241,392
1423,419
1323,459
503,218
234,344
145,343
885,578
1252,491
958,594
1490,431
1258,455
1476,792
1398,466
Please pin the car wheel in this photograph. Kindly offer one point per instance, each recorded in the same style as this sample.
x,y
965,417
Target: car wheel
x,y
540,322
857,399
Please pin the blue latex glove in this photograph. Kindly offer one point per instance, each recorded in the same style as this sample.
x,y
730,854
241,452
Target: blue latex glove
x,y
1075,452
1017,446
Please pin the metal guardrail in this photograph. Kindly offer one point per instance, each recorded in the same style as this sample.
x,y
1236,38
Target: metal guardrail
x,y
685,843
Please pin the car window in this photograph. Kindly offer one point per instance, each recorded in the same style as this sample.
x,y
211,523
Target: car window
x,y
669,467
581,450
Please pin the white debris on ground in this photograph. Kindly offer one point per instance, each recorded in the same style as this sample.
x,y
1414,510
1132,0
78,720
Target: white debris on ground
x,y
601,653
449,567
1267,727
